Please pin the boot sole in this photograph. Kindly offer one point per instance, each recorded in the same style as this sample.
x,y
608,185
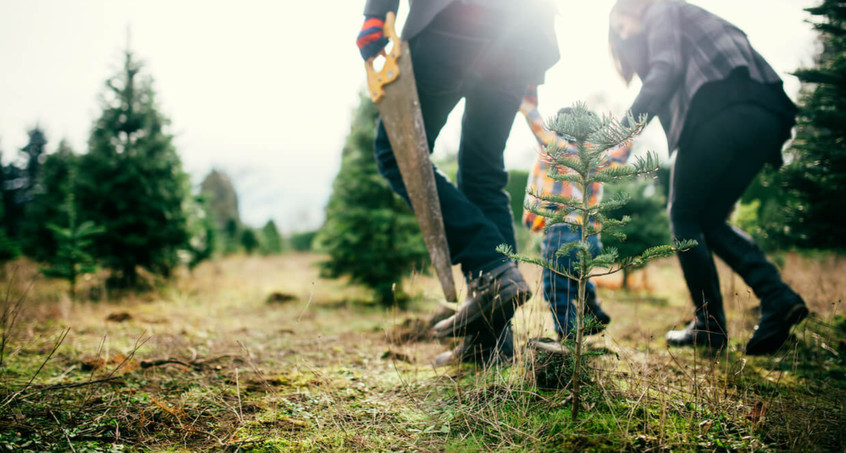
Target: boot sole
x,y
771,342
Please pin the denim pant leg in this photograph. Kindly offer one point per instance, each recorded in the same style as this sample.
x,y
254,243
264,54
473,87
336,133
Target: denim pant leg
x,y
474,230
559,291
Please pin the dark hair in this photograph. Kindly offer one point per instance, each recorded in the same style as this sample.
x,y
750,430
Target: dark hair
x,y
632,8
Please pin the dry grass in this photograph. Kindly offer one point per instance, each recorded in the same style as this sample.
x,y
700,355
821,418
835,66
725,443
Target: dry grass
x,y
209,363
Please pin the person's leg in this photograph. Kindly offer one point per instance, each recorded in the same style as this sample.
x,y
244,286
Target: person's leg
x,y
781,306
562,292
558,290
489,112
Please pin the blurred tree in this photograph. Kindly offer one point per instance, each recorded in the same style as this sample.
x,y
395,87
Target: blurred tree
x,y
48,204
231,237
8,249
249,240
516,188
131,181
271,239
370,234
71,258
302,241
221,198
202,231
815,180
20,181
648,225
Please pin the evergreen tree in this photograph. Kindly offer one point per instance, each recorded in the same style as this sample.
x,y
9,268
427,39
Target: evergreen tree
x,y
370,234
815,180
48,203
20,181
516,188
71,258
648,224
202,230
231,237
249,240
593,136
131,181
221,198
8,249
271,239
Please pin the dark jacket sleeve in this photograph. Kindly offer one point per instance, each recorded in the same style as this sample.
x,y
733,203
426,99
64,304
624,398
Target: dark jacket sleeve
x,y
380,7
662,26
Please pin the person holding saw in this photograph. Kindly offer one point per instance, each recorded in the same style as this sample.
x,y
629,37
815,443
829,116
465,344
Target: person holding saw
x,y
487,53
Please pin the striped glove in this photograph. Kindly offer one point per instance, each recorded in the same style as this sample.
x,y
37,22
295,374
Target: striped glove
x,y
370,40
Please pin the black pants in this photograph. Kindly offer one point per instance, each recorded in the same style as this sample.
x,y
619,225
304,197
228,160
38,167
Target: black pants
x,y
712,170
449,65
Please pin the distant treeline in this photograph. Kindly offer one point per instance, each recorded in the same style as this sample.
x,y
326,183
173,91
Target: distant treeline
x,y
125,205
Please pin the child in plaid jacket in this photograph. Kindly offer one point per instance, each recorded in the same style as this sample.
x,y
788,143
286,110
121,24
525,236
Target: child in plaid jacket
x,y
559,291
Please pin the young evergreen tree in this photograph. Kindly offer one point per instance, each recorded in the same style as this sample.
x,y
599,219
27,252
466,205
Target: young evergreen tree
x,y
202,232
815,180
249,240
593,137
73,242
370,234
271,239
131,181
648,223
48,203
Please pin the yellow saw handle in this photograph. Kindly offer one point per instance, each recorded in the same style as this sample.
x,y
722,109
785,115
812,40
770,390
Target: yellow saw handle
x,y
376,81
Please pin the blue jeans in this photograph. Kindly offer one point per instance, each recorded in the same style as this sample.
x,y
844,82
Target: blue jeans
x,y
562,292
476,211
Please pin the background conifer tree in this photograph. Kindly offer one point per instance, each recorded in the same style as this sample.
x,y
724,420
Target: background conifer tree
x,y
21,180
131,181
49,203
271,240
71,258
815,180
370,233
648,224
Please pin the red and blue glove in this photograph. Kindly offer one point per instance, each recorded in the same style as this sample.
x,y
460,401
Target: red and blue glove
x,y
371,40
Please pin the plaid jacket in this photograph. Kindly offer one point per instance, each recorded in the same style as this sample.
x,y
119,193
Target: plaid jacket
x,y
539,181
681,48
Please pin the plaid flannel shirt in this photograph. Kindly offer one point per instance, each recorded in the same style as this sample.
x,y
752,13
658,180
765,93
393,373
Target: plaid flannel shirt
x,y
682,48
541,182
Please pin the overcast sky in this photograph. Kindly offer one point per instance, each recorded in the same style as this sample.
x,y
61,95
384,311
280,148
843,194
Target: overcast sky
x,y
264,89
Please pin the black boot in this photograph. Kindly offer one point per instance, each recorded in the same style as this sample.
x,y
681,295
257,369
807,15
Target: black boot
x,y
708,329
777,317
781,307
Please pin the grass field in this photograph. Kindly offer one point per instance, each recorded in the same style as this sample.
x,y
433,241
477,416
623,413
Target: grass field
x,y
260,354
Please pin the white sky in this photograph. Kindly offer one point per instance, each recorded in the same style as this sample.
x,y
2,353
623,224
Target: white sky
x,y
264,89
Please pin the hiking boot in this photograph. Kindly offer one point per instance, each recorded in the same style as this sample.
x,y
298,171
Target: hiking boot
x,y
481,350
491,301
774,326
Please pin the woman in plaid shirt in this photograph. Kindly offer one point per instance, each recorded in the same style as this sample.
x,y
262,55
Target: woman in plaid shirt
x,y
703,79
559,291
